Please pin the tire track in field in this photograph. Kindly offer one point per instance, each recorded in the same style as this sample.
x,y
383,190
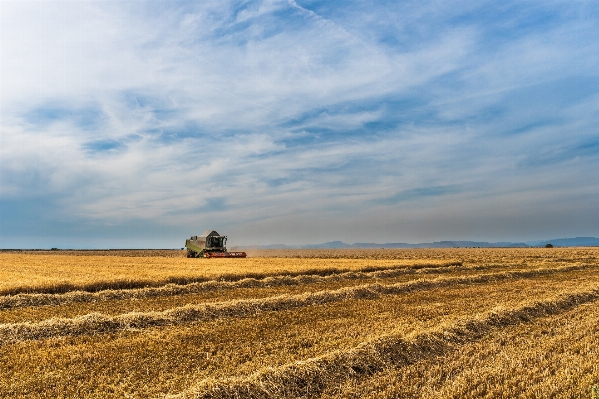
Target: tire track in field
x,y
30,300
97,286
97,323
310,377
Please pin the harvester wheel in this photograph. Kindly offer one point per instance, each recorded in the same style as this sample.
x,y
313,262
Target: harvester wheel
x,y
192,254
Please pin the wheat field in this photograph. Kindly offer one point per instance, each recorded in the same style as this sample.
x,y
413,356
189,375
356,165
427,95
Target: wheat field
x,y
425,323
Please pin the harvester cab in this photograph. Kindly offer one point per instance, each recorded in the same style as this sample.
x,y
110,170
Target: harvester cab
x,y
210,245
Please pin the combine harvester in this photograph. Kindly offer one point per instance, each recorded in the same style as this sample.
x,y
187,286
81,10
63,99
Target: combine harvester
x,y
210,245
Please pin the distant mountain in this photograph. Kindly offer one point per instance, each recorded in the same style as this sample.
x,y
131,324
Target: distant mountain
x,y
436,244
568,242
559,242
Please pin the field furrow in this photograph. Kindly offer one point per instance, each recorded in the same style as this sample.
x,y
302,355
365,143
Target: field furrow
x,y
313,376
553,357
97,323
164,302
169,359
439,323
52,274
44,299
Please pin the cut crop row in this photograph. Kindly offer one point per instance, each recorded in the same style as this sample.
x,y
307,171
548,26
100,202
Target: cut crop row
x,y
160,303
96,323
43,299
170,359
29,273
311,377
244,269
553,357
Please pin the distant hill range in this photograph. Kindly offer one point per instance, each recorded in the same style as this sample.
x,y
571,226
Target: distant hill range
x,y
558,242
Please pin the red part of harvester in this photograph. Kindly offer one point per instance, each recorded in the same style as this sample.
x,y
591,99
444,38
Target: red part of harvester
x,y
225,255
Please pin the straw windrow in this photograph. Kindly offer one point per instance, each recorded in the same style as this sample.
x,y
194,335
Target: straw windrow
x,y
310,377
44,299
133,284
97,323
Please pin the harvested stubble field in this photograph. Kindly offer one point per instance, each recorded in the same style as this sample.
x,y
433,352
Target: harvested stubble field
x,y
452,323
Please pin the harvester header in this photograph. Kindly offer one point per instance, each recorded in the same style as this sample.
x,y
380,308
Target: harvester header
x,y
210,245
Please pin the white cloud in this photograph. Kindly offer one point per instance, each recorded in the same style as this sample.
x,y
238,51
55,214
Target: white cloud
x,y
283,114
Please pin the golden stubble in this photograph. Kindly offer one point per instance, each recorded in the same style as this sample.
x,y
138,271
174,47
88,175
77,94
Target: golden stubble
x,y
62,273
350,346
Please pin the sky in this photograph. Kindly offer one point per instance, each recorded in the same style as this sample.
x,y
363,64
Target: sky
x,y
134,124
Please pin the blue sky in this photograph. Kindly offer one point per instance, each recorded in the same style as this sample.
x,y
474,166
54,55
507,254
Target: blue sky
x,y
137,124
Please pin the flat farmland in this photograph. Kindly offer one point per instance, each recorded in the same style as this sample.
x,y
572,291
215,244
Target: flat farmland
x,y
425,323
